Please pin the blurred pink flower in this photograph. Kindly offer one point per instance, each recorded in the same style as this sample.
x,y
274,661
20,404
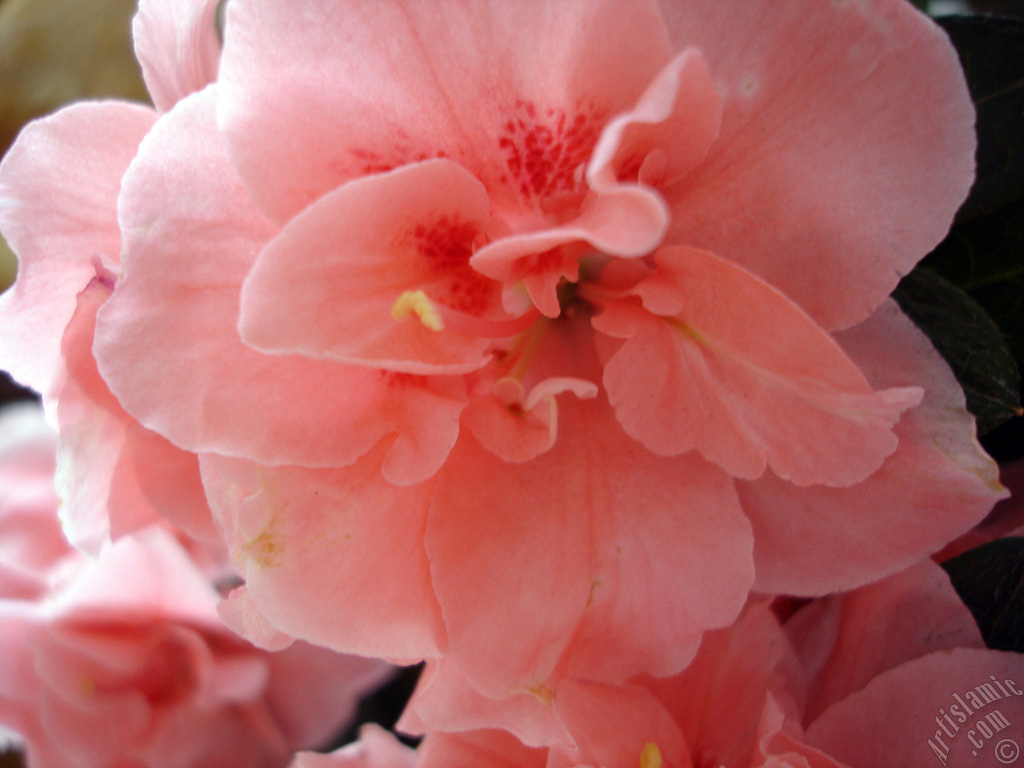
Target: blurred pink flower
x,y
32,545
122,660
531,334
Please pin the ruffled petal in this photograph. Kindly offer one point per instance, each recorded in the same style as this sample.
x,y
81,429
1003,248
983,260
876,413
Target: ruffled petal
x,y
138,576
517,426
625,220
847,145
742,375
667,133
368,273
937,484
239,613
313,99
58,193
167,480
780,744
178,47
334,557
191,236
661,138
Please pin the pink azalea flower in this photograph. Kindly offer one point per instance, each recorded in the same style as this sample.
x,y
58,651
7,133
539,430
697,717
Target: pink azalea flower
x,y
892,674
123,661
128,664
535,335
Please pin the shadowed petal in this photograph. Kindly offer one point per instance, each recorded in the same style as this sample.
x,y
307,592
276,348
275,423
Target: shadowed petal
x,y
897,719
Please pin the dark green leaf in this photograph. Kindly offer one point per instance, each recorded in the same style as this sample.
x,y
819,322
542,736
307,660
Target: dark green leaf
x,y
990,581
990,50
966,337
985,258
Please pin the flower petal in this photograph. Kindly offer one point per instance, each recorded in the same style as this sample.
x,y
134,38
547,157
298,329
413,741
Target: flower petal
x,y
613,725
626,220
741,374
847,145
177,45
679,115
332,284
445,701
313,99
671,559
510,566
937,484
718,699
116,477
58,194
859,635
498,749
92,426
661,138
909,715
578,546
334,557
167,344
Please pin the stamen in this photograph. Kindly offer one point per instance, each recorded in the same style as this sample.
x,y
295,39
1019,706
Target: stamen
x,y
650,756
419,304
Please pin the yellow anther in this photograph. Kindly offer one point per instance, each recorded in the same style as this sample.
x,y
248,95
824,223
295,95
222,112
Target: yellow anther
x,y
542,692
419,304
650,756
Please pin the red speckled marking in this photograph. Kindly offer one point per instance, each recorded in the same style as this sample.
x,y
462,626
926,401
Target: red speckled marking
x,y
366,162
546,153
372,162
446,245
400,380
